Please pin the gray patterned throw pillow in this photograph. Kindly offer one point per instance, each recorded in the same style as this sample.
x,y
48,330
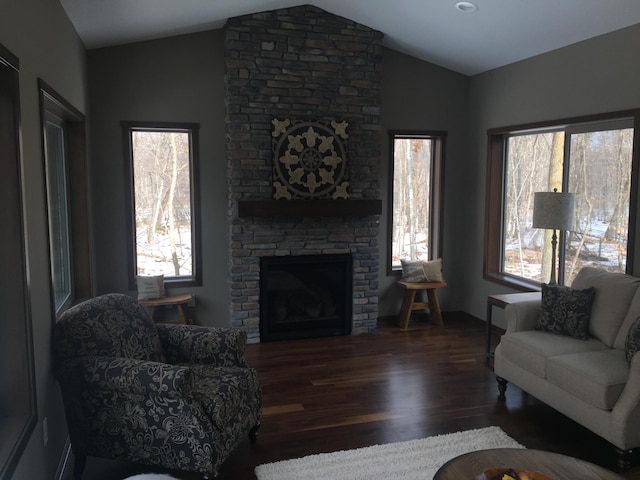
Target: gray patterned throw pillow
x,y
632,345
565,311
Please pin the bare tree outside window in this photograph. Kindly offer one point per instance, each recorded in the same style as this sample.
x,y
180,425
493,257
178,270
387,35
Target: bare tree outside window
x,y
162,199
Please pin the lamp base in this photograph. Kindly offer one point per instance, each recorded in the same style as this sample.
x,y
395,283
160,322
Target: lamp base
x,y
554,242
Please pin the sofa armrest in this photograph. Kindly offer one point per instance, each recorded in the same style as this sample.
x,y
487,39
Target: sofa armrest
x,y
192,344
125,376
521,316
625,422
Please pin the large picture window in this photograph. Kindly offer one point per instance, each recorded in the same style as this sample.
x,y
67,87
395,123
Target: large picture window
x,y
162,161
415,190
592,158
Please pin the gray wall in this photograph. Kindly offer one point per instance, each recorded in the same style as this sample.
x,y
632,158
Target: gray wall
x,y
41,36
420,96
595,76
179,79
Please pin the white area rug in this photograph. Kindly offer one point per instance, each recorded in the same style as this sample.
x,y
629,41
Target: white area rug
x,y
411,460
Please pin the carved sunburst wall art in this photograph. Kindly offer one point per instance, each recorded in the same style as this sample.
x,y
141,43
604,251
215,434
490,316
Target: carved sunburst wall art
x,y
310,159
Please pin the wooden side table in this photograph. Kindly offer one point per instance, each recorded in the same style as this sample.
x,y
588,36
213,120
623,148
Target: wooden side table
x,y
409,304
501,301
178,301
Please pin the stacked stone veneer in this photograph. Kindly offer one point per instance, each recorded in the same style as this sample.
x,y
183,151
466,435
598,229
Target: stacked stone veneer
x,y
305,63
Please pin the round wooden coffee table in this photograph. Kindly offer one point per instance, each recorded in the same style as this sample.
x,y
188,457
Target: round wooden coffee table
x,y
554,465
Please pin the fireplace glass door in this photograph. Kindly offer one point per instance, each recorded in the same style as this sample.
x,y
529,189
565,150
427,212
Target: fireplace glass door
x,y
305,296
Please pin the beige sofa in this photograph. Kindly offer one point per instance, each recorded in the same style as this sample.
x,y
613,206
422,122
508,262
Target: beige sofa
x,y
589,381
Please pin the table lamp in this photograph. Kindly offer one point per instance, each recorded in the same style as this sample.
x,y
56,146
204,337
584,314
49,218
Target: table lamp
x,y
553,210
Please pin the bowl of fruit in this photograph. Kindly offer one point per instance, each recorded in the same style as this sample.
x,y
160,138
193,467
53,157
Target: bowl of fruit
x,y
511,474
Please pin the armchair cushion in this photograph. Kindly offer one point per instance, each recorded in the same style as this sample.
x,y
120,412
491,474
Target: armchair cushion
x,y
189,344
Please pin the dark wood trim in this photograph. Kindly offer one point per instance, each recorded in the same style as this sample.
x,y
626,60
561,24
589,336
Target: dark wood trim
x,y
494,209
635,195
8,59
554,125
308,208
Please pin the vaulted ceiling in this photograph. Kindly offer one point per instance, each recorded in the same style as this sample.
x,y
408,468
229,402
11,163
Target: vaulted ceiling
x,y
497,33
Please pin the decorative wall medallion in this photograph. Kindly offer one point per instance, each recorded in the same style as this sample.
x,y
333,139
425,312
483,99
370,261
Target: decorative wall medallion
x,y
310,159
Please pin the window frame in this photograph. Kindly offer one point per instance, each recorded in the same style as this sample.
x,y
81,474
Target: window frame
x,y
437,187
61,202
128,127
495,190
73,122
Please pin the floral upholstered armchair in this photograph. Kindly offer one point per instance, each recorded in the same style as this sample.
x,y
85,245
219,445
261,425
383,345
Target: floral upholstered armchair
x,y
175,396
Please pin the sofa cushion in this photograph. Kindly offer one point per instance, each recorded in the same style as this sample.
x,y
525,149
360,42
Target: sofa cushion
x,y
632,315
565,311
596,377
614,292
632,345
530,349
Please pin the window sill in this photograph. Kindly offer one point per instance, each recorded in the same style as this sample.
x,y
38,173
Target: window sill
x,y
517,283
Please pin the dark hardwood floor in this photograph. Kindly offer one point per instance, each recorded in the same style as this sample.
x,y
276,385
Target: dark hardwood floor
x,y
327,394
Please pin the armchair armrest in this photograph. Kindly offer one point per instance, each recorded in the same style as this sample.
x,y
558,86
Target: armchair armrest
x,y
192,344
521,316
125,376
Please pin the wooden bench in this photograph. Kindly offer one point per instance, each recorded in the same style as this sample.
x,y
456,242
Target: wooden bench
x,y
178,301
409,304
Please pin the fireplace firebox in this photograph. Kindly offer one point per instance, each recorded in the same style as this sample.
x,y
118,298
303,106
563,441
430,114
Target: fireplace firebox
x,y
305,296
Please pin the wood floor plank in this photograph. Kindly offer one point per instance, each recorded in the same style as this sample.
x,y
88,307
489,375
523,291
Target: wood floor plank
x,y
336,393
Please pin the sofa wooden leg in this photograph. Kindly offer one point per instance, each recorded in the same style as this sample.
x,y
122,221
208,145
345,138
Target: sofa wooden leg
x,y
79,465
502,388
624,458
253,433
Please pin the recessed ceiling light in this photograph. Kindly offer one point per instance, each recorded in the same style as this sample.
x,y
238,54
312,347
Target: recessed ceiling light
x,y
466,6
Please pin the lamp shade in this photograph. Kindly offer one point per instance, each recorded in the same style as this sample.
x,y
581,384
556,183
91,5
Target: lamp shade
x,y
553,210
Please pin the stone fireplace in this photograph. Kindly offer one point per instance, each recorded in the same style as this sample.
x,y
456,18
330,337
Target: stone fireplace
x,y
305,64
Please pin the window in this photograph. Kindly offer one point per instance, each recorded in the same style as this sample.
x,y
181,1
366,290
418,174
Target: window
x,y
415,190
17,389
164,204
64,147
591,157
59,238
